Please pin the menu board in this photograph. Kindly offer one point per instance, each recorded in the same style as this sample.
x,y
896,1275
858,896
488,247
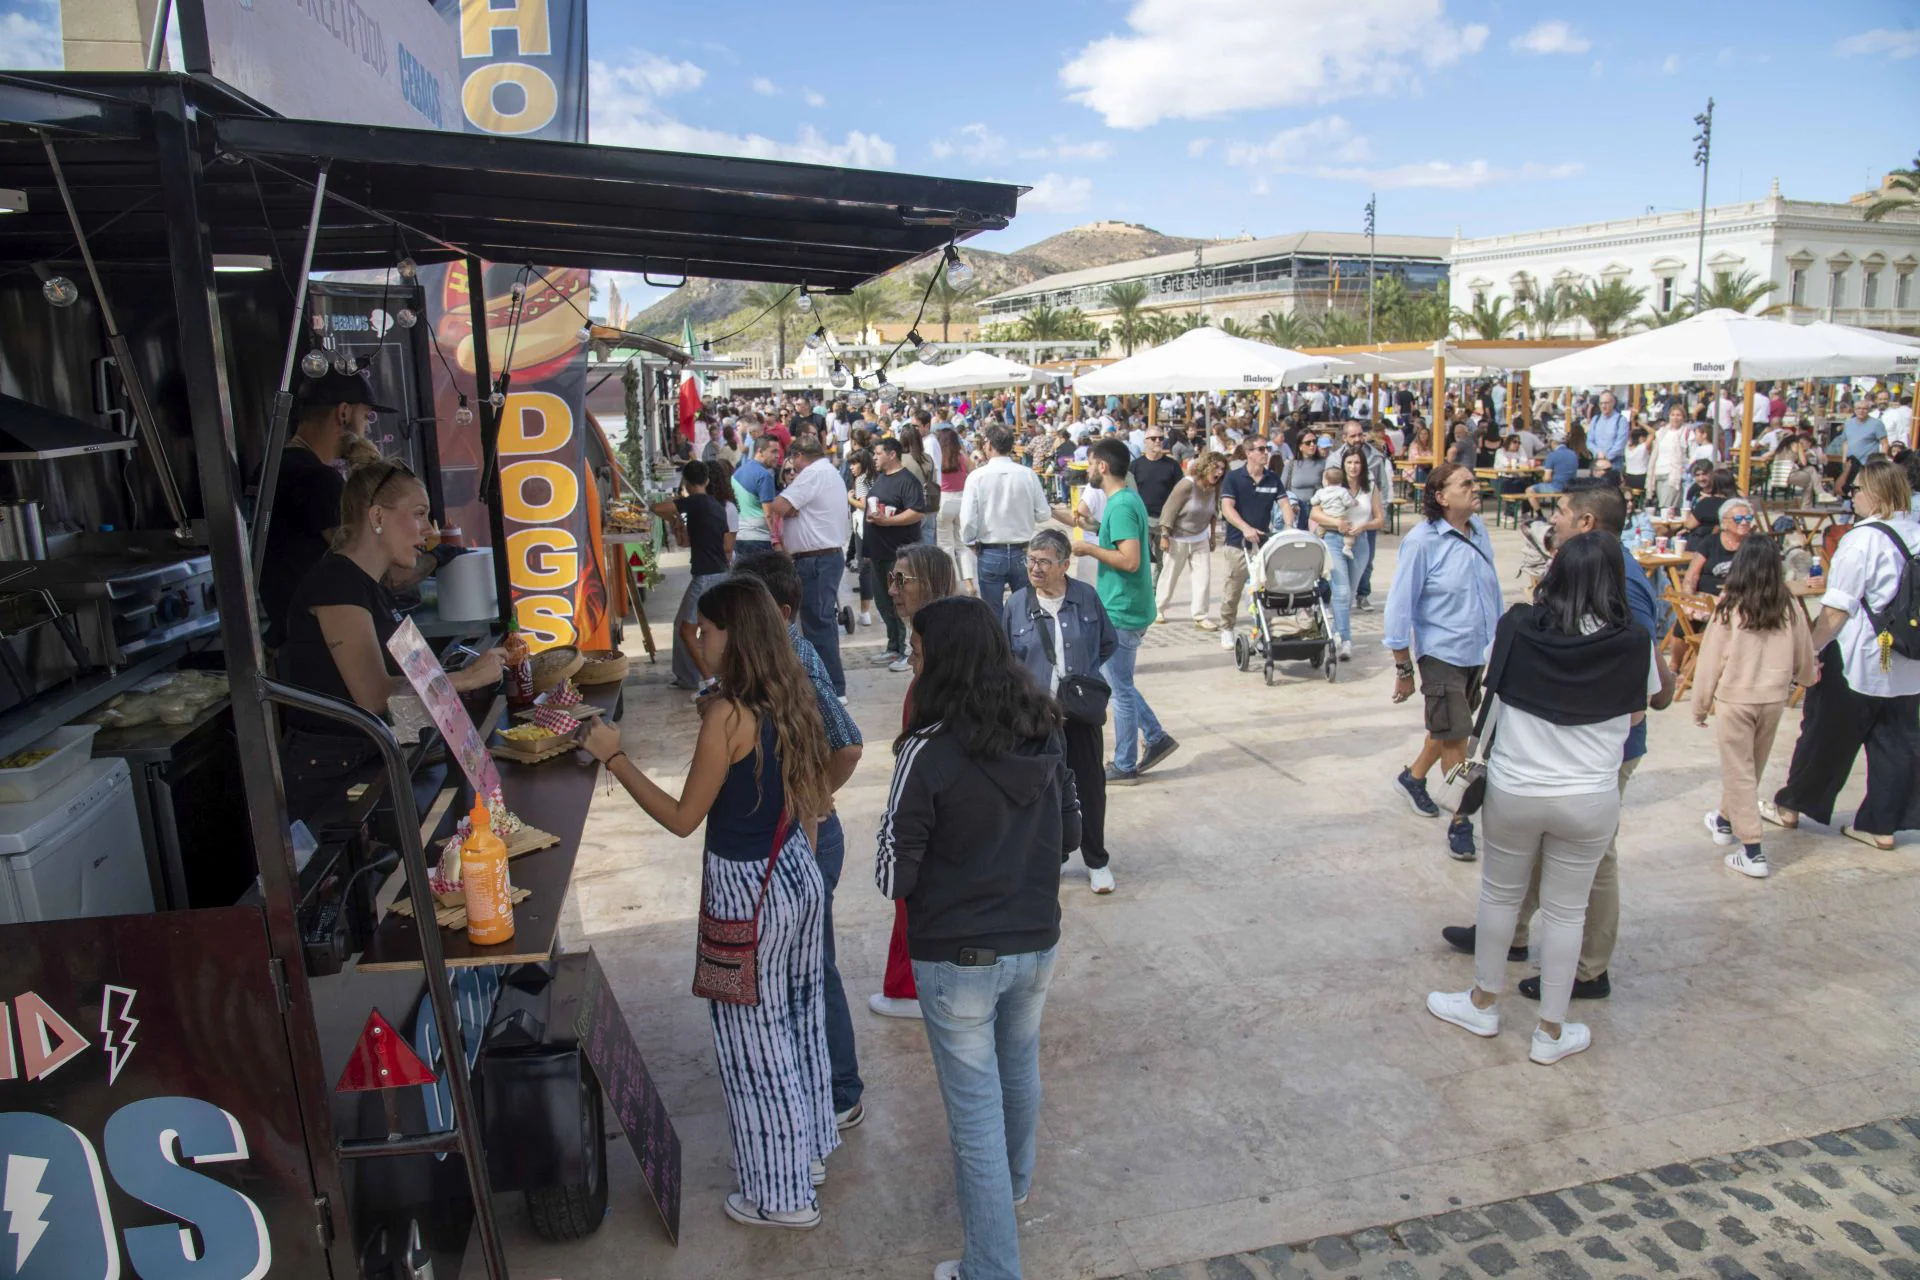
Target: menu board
x,y
608,1044
422,670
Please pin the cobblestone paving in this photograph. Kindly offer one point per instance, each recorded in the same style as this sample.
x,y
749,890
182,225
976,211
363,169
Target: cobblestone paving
x,y
1841,1206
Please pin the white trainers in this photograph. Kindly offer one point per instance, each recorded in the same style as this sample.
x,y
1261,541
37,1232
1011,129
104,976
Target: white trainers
x,y
888,1007
1226,638
1574,1037
852,1116
947,1270
883,658
900,664
1346,651
1719,828
1749,864
748,1214
866,617
1101,879
817,1173
1458,1008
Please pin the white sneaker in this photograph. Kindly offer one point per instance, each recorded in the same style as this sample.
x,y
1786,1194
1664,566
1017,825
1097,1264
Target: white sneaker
x,y
866,617
851,1117
947,1271
884,657
1546,1051
1749,864
900,664
1101,878
1226,638
1719,828
1458,1008
888,1007
817,1173
1346,651
748,1214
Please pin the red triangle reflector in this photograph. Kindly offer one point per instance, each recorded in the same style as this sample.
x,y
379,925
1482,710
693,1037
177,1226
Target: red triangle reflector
x,y
382,1059
633,560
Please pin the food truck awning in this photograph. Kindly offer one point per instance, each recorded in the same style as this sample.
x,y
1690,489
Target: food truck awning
x,y
507,200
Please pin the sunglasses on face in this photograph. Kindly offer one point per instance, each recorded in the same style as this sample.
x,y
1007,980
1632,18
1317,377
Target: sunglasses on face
x,y
899,579
1739,519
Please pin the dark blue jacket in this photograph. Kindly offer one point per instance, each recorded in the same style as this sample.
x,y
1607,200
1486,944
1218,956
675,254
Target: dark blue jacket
x,y
1083,622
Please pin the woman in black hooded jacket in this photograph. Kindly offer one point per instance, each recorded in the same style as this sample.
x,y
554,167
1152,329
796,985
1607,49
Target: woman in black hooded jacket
x,y
980,812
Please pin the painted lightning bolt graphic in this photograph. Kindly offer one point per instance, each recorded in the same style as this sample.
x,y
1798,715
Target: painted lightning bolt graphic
x,y
118,1040
25,1205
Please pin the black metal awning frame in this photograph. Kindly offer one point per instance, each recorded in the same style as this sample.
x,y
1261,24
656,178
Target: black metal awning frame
x,y
165,169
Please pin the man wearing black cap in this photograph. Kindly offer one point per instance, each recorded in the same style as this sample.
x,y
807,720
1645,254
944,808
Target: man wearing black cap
x,y
333,409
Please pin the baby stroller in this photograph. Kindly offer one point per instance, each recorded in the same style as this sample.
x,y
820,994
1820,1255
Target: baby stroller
x,y
1292,590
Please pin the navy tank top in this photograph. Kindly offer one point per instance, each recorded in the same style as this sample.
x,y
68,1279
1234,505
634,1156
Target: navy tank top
x,y
746,814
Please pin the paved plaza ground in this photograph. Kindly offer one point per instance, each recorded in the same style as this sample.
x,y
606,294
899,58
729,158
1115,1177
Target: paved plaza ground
x,y
1241,1076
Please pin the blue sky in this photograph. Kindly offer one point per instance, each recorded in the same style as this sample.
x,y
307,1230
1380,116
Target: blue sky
x,y
1223,117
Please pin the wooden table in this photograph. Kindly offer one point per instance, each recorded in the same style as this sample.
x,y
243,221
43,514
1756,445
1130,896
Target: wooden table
x,y
1813,521
1675,565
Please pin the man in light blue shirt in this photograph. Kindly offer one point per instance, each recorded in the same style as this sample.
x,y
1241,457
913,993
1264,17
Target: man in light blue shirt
x,y
1442,609
1607,433
1862,436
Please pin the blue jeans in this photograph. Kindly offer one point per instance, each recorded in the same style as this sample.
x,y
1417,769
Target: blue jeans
x,y
1347,570
747,548
820,607
1133,719
830,851
1365,590
983,1026
1001,567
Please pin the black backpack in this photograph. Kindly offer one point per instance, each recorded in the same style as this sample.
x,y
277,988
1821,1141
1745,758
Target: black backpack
x,y
1898,625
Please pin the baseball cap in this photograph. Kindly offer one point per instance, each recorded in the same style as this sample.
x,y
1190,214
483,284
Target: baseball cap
x,y
334,387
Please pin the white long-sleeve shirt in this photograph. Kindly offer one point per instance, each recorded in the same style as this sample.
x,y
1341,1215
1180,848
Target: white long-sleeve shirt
x,y
1001,502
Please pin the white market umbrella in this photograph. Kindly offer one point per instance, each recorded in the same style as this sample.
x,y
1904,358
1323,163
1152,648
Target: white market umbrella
x,y
974,371
1207,359
1723,345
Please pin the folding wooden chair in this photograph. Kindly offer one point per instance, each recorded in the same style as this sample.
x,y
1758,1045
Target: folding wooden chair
x,y
1689,610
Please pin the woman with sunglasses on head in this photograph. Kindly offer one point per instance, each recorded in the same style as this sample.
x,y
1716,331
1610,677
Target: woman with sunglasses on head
x,y
1712,554
760,781
338,625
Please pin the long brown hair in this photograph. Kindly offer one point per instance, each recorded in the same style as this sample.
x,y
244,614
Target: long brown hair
x,y
760,673
1756,587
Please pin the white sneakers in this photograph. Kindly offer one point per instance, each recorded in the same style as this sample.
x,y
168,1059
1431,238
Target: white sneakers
x,y
947,1270
1749,864
748,1214
1101,878
1346,651
1226,638
888,1007
1458,1008
866,617
900,664
1574,1038
1719,828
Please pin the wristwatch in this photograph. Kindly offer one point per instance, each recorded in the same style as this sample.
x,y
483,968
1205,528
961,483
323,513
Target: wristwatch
x,y
1404,670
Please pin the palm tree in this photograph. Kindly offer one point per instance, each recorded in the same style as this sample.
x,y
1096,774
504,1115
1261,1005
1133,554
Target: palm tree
x,y
1735,292
862,309
1901,191
1492,320
780,302
1045,323
1605,307
1126,299
1188,321
1237,328
1542,307
1654,318
1341,329
1426,319
943,297
1283,329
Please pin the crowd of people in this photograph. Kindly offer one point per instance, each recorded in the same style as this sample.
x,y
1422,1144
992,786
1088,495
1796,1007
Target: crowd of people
x,y
1016,569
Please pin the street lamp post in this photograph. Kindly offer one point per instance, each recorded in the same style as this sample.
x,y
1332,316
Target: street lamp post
x,y
1372,202
1702,154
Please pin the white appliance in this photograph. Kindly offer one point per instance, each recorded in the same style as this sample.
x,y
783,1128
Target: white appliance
x,y
75,850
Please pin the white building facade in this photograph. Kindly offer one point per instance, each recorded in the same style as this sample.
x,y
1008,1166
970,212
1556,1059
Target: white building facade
x,y
1826,261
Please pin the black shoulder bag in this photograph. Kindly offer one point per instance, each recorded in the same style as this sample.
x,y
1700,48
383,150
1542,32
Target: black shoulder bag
x,y
1083,699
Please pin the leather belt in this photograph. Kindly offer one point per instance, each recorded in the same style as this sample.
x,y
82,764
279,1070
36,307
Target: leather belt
x,y
802,555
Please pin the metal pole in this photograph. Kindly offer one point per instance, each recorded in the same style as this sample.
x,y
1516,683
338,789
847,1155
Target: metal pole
x,y
1702,155
254,725
282,415
157,41
490,487
1372,205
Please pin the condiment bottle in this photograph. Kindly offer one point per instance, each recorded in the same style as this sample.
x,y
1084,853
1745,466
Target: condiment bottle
x,y
519,666
483,870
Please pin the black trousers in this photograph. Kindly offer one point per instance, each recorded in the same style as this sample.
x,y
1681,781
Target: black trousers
x,y
1085,746
1835,724
882,563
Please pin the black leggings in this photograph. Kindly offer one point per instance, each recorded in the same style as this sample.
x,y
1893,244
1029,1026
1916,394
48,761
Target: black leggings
x,y
1835,725
1085,746
881,565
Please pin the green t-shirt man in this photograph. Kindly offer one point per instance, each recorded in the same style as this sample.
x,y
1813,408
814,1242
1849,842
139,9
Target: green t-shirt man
x,y
1127,596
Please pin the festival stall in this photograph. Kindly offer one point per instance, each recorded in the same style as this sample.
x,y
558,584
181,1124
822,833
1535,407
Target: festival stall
x,y
349,1076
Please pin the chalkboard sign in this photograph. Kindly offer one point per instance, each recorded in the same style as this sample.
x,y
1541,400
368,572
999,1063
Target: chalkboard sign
x,y
615,1058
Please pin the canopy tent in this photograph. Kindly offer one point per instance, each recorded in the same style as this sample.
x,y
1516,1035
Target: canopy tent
x,y
1208,359
1466,357
974,371
1722,345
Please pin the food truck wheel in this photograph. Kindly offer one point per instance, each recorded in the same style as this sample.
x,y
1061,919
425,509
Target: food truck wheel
x,y
577,1209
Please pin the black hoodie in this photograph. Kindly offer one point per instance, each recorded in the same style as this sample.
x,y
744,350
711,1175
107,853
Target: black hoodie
x,y
973,846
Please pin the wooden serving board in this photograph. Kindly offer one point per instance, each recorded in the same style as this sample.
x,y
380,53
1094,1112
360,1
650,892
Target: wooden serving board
x,y
525,840
450,917
506,749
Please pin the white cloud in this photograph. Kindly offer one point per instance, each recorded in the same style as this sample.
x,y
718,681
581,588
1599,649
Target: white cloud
x,y
1672,65
1082,150
32,44
1552,37
974,142
1193,59
1881,43
1054,193
765,87
1330,138
627,112
1446,174
813,98
1198,147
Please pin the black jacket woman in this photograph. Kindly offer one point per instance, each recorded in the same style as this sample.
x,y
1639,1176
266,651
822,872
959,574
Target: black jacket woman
x,y
1058,628
981,808
1570,674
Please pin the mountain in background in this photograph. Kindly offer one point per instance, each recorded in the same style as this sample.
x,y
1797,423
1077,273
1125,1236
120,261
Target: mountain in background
x,y
1097,244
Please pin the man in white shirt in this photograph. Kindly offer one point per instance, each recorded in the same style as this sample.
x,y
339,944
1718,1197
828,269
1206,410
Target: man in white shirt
x,y
1897,418
814,529
1001,505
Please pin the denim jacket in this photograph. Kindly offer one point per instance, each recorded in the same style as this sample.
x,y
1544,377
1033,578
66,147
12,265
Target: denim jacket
x,y
1083,623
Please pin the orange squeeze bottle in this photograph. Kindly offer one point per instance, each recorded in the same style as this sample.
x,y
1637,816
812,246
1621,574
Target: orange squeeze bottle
x,y
483,870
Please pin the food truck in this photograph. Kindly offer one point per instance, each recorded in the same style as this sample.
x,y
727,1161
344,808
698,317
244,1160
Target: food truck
x,y
224,1051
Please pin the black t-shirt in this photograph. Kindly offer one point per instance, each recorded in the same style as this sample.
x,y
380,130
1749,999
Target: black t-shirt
x,y
706,522
1706,513
1713,575
1156,478
306,507
902,492
1253,501
305,660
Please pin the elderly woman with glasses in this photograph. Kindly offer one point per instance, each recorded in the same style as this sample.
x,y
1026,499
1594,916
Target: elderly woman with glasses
x,y
1059,630
1714,556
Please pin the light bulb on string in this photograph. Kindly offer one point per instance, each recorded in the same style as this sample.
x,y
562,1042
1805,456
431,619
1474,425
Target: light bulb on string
x,y
885,391
519,290
706,348
929,352
817,339
584,334
498,399
407,268
805,301
856,398
407,317
463,416
959,270
343,364
839,375
60,291
315,363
